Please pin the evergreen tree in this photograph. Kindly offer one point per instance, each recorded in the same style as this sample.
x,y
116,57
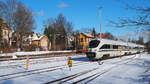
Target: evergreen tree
x,y
94,32
57,30
49,32
140,40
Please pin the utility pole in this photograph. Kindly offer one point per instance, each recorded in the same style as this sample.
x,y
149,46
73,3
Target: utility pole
x,y
100,21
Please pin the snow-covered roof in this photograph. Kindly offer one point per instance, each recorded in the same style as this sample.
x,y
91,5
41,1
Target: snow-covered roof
x,y
37,37
88,35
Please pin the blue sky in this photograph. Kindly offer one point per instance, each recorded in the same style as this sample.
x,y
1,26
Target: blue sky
x,y
82,13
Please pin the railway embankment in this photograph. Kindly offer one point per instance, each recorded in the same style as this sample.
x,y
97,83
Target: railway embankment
x,y
35,54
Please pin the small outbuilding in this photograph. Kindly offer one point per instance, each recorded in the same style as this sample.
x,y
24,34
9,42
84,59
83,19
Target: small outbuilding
x,y
41,41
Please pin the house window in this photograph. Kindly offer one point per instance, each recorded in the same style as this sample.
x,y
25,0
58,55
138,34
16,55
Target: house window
x,y
81,39
5,33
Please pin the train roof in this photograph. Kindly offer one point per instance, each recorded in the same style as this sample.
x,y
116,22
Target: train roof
x,y
113,42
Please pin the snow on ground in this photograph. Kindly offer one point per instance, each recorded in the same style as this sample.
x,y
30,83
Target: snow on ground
x,y
134,69
33,53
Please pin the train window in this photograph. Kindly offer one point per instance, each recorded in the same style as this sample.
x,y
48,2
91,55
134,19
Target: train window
x,y
120,47
106,46
123,47
115,46
136,48
94,43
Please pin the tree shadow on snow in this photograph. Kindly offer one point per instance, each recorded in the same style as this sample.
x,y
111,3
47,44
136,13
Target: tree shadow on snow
x,y
129,79
8,82
145,78
80,59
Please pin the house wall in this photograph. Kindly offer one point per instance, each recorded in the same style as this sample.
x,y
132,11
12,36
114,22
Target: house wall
x,y
35,42
6,33
44,42
84,40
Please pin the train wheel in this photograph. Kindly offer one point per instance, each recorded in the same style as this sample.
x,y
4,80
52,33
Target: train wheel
x,y
106,56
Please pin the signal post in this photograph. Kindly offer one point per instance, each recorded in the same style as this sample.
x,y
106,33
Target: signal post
x,y
69,63
27,63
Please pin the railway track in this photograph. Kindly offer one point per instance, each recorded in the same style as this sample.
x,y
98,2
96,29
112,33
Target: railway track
x,y
36,71
31,63
98,74
41,61
89,78
64,79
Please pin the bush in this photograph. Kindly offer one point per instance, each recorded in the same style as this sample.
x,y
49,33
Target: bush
x,y
29,48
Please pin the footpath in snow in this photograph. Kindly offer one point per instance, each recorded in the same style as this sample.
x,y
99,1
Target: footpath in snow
x,y
133,69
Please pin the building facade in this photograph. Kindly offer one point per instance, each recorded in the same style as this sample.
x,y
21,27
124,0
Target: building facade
x,y
6,33
83,40
41,41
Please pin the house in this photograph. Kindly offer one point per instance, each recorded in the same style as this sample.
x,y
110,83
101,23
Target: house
x,y
83,40
70,41
6,33
41,41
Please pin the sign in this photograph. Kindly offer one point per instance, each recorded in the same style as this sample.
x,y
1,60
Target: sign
x,y
120,51
69,63
27,63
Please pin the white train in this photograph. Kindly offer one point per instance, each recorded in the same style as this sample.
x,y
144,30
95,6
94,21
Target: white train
x,y
98,49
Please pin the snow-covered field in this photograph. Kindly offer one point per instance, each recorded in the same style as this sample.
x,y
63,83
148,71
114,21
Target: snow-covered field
x,y
133,69
34,53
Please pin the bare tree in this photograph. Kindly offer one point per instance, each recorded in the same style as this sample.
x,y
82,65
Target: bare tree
x,y
17,16
57,30
140,40
140,20
69,28
23,20
7,9
108,35
49,30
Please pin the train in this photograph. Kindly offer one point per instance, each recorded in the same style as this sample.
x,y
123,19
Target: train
x,y
103,48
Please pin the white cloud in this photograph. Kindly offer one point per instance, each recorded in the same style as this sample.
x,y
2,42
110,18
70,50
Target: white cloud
x,y
133,33
40,13
62,5
123,37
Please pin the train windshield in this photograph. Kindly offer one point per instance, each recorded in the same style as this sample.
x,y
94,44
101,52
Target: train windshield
x,y
94,43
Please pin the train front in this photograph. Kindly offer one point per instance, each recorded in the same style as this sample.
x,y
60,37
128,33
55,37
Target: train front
x,y
92,49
